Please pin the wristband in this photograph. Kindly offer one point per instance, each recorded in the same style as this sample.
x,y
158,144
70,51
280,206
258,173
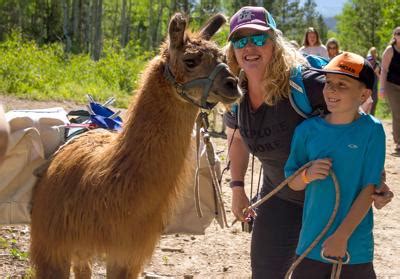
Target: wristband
x,y
236,183
304,176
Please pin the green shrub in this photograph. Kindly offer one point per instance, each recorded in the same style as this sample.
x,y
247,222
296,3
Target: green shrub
x,y
382,109
46,73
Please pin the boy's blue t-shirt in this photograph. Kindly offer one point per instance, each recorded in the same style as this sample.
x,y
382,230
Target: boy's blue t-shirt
x,y
357,151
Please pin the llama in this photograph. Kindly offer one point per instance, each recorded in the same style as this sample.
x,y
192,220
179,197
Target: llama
x,y
111,194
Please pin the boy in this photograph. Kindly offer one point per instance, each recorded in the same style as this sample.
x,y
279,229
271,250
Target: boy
x,y
353,145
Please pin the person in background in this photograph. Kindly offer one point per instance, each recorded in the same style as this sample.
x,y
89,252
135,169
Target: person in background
x,y
294,43
343,141
263,124
372,58
312,44
390,84
332,45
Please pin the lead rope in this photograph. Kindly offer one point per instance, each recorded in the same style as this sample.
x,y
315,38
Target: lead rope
x,y
335,271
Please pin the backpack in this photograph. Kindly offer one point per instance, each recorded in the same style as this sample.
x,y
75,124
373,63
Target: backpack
x,y
298,97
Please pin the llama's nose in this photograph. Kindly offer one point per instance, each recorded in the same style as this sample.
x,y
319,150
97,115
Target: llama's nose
x,y
231,83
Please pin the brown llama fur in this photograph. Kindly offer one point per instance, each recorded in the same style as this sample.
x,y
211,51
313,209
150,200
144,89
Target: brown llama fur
x,y
109,193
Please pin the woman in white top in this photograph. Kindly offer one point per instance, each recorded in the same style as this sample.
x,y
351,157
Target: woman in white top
x,y
312,44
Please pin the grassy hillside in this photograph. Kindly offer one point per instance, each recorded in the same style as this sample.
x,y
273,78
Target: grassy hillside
x,y
43,73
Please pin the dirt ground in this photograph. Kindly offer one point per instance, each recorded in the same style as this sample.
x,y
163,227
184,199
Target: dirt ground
x,y
220,253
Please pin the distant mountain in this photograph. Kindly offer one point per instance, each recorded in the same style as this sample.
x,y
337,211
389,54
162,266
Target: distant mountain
x,y
331,23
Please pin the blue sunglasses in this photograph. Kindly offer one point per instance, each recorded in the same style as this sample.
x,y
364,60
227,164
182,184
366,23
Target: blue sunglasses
x,y
258,40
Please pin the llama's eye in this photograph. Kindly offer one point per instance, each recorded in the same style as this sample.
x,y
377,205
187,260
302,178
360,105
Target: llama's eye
x,y
190,63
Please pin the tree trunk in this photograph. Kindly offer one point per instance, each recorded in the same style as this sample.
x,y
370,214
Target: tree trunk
x,y
66,32
172,9
114,24
124,25
97,34
75,22
186,8
86,25
151,25
156,31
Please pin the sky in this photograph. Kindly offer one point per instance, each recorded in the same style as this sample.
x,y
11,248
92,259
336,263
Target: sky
x,y
329,8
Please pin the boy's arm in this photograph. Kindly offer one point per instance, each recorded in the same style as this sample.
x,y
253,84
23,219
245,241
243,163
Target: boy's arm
x,y
357,212
336,244
319,169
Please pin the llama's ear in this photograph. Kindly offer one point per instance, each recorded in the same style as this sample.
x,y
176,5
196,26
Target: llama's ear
x,y
176,30
212,26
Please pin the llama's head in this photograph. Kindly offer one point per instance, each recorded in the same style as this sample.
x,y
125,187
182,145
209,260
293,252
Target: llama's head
x,y
195,64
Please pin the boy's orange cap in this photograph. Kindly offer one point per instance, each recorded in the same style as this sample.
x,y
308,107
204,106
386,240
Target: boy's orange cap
x,y
352,65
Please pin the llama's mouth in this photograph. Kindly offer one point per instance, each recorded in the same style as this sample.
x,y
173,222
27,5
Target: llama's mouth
x,y
217,97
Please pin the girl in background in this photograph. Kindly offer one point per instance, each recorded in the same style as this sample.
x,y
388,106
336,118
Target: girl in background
x,y
312,44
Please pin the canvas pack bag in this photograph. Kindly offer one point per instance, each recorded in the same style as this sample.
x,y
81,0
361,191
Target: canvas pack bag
x,y
34,136
185,218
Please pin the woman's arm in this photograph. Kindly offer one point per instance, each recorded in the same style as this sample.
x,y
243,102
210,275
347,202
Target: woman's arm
x,y
336,244
386,58
239,159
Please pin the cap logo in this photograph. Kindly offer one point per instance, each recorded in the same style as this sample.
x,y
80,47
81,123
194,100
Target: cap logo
x,y
245,15
347,68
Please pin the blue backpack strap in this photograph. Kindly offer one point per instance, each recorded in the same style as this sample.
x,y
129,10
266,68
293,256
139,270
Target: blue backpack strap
x,y
235,111
297,95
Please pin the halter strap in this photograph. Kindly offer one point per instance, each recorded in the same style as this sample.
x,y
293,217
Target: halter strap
x,y
206,83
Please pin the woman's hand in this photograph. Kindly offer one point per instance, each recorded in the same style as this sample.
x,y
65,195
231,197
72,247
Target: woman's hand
x,y
335,246
240,201
382,196
319,169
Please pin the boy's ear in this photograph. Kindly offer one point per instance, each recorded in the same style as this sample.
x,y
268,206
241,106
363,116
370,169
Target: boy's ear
x,y
366,93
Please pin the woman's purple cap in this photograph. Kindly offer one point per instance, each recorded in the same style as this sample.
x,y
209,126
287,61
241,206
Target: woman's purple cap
x,y
257,18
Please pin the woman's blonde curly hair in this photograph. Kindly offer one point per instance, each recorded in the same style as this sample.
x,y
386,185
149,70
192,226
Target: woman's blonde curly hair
x,y
277,75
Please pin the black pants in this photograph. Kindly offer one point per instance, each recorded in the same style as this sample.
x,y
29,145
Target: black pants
x,y
310,269
275,236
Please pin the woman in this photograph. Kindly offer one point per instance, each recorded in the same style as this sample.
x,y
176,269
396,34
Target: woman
x,y
312,43
372,58
266,122
390,84
332,45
